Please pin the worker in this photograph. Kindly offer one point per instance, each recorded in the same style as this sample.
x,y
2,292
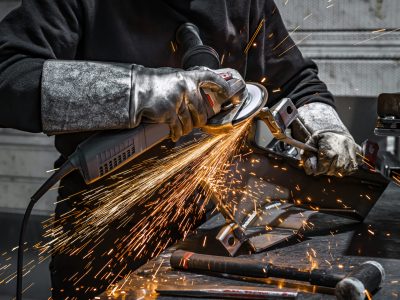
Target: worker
x,y
70,68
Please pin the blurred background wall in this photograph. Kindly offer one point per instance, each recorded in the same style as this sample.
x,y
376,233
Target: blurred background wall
x,y
357,59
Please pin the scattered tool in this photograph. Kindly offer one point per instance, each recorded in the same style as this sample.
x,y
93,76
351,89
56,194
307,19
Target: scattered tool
x,y
365,277
228,292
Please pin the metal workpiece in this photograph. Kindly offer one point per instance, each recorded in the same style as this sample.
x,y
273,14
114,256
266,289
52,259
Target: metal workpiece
x,y
281,197
256,218
232,237
281,201
350,196
279,118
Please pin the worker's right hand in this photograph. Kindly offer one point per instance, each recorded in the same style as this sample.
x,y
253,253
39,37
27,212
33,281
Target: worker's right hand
x,y
173,96
85,96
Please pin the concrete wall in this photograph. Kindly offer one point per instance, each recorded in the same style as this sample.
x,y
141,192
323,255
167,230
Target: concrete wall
x,y
356,62
24,160
343,36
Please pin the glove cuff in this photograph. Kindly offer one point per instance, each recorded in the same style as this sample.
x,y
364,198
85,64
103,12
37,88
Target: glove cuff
x,y
85,96
319,117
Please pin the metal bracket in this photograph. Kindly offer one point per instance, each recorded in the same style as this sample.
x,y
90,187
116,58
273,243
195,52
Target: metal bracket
x,y
278,119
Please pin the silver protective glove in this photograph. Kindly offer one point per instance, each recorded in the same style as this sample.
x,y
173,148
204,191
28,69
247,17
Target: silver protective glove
x,y
84,96
338,154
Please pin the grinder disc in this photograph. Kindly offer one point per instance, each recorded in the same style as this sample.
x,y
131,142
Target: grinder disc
x,y
252,101
256,99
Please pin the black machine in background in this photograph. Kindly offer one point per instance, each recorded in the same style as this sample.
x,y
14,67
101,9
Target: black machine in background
x,y
388,125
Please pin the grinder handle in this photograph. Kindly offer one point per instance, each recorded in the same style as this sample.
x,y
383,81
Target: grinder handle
x,y
194,52
188,36
190,261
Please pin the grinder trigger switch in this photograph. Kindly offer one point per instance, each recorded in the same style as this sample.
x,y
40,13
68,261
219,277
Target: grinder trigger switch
x,y
216,103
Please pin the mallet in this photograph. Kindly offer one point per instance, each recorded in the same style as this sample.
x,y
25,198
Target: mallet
x,y
365,277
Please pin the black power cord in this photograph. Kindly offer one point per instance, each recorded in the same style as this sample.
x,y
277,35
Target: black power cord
x,y
65,169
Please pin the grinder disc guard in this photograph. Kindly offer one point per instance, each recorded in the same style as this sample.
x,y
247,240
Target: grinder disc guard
x,y
254,98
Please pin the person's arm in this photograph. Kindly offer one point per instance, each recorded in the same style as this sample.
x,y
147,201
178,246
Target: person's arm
x,y
31,34
296,77
43,87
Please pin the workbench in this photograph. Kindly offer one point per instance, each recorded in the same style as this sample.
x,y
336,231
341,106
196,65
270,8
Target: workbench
x,y
377,238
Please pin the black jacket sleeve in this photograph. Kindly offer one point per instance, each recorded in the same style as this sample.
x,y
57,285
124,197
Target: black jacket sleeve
x,y
36,31
288,73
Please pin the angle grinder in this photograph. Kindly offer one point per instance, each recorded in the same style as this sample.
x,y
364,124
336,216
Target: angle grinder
x,y
105,152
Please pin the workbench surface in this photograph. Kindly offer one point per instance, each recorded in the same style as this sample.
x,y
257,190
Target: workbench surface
x,y
378,238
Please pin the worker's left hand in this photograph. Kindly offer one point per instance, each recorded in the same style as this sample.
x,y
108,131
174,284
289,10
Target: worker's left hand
x,y
337,154
337,150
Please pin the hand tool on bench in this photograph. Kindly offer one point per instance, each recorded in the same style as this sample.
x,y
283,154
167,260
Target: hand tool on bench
x,y
365,278
226,292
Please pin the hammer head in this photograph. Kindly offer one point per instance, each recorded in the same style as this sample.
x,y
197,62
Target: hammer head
x,y
365,278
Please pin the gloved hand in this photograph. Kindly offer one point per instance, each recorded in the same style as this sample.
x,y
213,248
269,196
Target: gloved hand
x,y
84,96
173,96
337,150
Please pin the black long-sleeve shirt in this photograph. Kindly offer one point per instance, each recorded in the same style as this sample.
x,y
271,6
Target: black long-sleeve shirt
x,y
141,32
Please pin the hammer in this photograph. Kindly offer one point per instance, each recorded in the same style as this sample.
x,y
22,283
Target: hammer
x,y
363,279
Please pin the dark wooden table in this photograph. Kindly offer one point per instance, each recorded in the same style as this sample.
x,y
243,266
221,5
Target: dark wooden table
x,y
378,238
